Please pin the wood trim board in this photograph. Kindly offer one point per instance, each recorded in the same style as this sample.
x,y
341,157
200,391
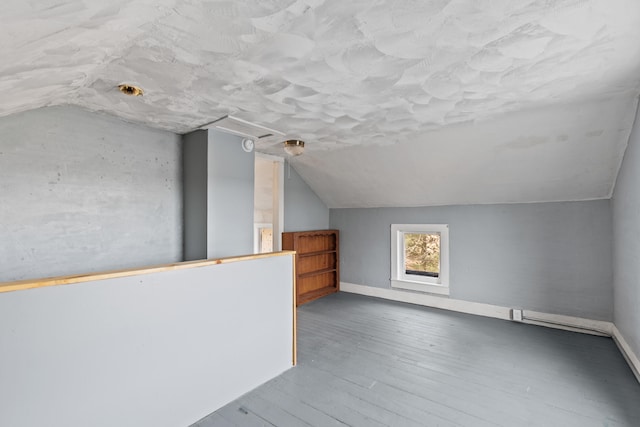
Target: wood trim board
x,y
89,277
295,314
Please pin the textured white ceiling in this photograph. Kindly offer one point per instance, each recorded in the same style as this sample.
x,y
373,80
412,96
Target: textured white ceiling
x,y
338,74
571,152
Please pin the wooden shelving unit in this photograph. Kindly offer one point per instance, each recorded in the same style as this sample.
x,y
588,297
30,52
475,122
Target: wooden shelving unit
x,y
317,262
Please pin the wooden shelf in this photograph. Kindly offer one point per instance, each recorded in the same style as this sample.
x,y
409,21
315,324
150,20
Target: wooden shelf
x,y
310,296
304,255
317,262
315,273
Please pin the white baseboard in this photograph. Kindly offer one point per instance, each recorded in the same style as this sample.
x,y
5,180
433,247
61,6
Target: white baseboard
x,y
427,300
627,352
568,323
557,321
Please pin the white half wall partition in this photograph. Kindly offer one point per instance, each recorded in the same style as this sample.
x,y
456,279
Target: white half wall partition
x,y
162,346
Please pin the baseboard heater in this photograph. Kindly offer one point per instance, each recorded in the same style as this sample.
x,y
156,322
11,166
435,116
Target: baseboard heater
x,y
528,318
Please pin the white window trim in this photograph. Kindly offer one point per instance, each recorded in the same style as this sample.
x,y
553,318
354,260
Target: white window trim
x,y
399,279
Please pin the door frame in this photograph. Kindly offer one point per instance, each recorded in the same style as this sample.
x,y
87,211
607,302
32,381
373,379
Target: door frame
x,y
278,201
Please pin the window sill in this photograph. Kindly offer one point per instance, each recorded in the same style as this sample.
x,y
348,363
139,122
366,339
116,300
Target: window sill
x,y
420,287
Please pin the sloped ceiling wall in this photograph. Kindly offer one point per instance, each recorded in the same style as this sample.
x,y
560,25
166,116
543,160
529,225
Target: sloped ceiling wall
x,y
355,75
571,152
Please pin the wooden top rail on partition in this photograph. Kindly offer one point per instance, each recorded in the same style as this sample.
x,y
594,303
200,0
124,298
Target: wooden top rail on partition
x,y
79,278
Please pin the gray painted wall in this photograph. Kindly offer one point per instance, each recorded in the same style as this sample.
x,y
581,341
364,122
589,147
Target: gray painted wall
x,y
160,349
550,257
83,192
230,200
626,249
303,209
194,183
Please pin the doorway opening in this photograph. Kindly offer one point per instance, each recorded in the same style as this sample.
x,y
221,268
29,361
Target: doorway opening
x,y
268,203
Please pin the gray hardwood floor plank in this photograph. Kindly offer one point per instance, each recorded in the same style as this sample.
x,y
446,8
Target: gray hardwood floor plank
x,y
275,414
212,420
360,357
368,401
298,407
369,362
322,396
387,376
238,415
551,376
451,386
332,390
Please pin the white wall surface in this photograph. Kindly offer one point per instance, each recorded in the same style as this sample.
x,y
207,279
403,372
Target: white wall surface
x,y
162,349
626,248
195,171
303,209
548,257
83,192
230,196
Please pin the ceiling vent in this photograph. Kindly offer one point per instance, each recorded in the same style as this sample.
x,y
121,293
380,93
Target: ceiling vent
x,y
244,128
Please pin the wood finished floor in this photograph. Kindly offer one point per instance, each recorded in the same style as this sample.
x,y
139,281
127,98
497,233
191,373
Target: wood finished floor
x,y
370,362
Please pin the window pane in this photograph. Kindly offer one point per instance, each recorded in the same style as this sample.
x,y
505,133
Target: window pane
x,y
422,254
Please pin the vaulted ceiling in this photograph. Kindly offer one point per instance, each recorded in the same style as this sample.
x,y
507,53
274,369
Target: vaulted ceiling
x,y
401,103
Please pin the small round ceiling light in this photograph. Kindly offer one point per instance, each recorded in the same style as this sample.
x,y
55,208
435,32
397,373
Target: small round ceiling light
x,y
294,147
248,144
130,90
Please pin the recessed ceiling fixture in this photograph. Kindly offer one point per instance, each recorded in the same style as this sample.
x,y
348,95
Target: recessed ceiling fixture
x,y
130,90
294,147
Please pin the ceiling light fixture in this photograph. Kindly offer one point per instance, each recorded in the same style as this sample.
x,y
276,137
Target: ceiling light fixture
x,y
294,147
130,90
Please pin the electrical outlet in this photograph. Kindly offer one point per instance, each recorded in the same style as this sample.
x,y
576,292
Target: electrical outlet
x,y
516,315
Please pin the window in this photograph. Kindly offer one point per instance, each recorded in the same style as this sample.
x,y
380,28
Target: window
x,y
420,257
